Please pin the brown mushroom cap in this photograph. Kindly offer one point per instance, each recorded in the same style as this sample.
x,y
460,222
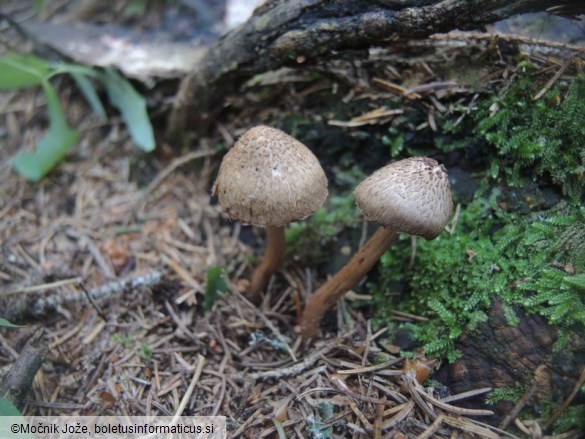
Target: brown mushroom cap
x,y
269,178
411,196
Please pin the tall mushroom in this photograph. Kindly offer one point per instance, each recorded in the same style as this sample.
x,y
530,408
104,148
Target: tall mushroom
x,y
411,196
269,179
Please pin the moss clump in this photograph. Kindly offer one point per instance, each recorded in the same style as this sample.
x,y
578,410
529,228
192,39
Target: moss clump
x,y
311,241
314,240
529,261
542,140
535,260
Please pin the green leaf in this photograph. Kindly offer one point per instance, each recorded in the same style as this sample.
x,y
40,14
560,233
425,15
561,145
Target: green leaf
x,y
88,90
7,408
7,324
214,283
81,75
52,147
61,67
10,415
22,71
132,106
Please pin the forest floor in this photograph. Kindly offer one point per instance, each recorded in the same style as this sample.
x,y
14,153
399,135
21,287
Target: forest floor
x,y
140,235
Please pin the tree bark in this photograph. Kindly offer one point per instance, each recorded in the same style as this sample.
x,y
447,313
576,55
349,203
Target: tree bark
x,y
500,355
288,33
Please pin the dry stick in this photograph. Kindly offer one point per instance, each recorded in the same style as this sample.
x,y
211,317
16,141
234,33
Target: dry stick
x,y
366,369
325,297
220,397
93,303
410,382
469,427
519,406
466,36
465,395
41,287
431,429
492,428
552,80
360,415
293,370
568,401
345,390
104,265
20,376
400,416
442,405
378,421
273,257
270,326
190,389
149,279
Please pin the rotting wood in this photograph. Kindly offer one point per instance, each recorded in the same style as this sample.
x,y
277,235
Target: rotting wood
x,y
288,34
19,379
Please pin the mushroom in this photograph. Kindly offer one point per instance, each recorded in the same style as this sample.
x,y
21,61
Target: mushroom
x,y
269,179
411,196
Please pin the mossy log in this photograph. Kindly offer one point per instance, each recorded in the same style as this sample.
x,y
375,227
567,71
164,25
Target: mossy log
x,y
284,33
500,355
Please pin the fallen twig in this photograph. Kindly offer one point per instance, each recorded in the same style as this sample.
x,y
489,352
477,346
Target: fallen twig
x,y
190,389
567,402
338,381
431,429
519,406
469,427
293,370
465,395
457,35
552,80
41,287
115,287
400,416
269,325
20,376
448,407
41,305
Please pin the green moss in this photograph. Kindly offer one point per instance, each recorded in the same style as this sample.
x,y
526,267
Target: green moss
x,y
523,138
572,418
536,260
313,241
512,394
527,262
500,248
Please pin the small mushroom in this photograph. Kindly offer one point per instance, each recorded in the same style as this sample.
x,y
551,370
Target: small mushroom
x,y
411,196
269,179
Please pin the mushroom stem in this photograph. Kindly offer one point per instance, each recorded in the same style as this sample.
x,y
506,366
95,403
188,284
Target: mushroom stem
x,y
273,257
325,297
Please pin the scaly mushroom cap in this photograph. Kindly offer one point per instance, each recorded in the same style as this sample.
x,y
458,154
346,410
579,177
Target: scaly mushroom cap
x,y
269,178
411,196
